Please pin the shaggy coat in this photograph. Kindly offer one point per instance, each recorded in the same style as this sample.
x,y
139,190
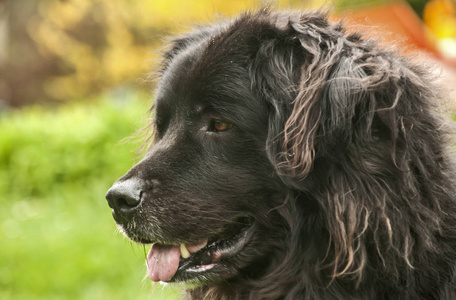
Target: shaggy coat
x,y
326,148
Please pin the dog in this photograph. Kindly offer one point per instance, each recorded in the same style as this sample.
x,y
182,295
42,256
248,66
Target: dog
x,y
293,160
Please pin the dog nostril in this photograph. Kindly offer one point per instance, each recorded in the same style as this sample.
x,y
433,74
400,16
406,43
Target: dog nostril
x,y
124,201
124,195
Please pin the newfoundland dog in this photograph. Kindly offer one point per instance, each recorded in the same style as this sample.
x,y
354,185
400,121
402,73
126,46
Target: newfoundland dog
x,y
293,160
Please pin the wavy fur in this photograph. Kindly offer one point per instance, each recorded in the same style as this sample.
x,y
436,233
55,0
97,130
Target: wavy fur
x,y
353,130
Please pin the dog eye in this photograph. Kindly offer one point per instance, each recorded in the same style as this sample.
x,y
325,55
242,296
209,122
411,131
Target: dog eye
x,y
218,125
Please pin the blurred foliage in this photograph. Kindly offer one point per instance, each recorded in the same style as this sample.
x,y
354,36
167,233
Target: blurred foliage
x,y
104,43
57,235
62,50
87,46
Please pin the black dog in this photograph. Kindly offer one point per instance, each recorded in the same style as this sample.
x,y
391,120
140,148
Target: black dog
x,y
291,160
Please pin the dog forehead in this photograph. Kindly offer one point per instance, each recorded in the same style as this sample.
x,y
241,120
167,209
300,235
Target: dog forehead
x,y
198,77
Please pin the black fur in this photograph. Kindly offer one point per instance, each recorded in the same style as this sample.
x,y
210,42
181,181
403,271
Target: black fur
x,y
336,153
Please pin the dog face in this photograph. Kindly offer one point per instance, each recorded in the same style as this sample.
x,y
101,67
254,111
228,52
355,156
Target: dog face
x,y
206,188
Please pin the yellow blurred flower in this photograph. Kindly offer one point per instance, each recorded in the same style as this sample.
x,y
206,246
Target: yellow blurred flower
x,y
440,17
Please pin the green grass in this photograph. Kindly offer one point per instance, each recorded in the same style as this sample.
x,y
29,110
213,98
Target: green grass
x,y
57,237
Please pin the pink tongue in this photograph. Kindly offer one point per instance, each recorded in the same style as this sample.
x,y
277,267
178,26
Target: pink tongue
x,y
162,262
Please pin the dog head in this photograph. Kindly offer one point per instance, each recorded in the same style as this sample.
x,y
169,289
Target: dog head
x,y
243,113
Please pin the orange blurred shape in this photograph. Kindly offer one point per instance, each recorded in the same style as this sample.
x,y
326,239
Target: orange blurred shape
x,y
389,22
393,23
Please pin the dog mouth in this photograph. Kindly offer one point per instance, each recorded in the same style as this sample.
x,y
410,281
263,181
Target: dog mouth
x,y
194,261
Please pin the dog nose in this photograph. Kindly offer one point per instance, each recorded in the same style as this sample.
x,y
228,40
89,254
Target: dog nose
x,y
124,196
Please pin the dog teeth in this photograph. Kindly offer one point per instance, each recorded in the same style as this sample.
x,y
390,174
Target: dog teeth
x,y
192,248
184,252
188,249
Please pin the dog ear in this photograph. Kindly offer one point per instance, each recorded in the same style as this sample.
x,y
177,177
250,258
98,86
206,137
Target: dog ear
x,y
314,88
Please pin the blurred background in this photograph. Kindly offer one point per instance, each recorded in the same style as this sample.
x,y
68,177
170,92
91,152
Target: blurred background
x,y
74,89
